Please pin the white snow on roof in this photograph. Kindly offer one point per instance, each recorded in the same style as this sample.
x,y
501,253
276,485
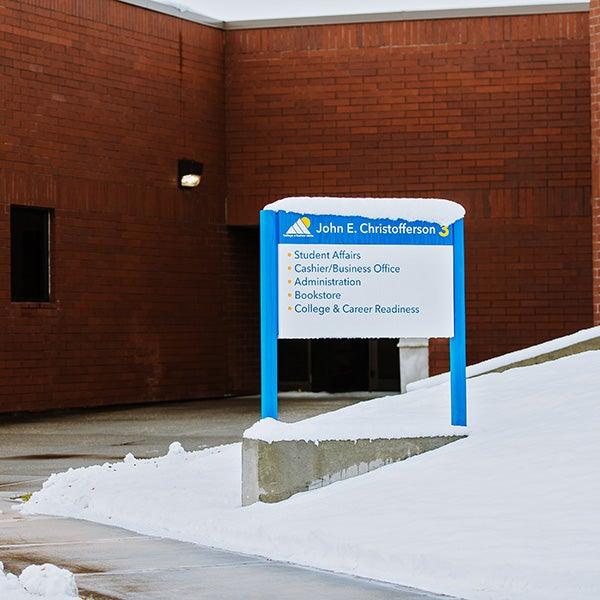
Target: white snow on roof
x,y
432,210
240,10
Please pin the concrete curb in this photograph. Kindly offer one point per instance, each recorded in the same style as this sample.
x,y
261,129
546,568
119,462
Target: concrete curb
x,y
274,471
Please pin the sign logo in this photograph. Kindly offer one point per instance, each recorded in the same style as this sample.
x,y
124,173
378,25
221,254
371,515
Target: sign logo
x,y
299,229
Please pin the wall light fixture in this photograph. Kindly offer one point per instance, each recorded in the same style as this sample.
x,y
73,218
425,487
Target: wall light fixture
x,y
189,173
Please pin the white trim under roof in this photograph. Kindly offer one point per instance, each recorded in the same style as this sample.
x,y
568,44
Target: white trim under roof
x,y
457,13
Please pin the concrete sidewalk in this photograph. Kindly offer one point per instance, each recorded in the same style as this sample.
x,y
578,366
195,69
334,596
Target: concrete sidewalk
x,y
116,564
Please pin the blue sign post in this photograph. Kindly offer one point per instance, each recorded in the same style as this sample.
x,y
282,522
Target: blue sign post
x,y
458,342
362,274
268,312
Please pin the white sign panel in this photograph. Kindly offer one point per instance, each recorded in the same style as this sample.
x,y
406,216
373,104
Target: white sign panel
x,y
365,291
348,276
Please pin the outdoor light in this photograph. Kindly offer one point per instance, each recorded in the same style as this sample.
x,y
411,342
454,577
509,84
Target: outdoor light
x,y
189,173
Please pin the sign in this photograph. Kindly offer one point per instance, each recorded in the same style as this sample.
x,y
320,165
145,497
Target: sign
x,y
354,277
384,268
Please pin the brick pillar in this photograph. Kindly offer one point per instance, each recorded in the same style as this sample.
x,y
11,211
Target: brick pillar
x,y
595,105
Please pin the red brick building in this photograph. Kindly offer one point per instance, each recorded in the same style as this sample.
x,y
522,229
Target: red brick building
x,y
595,126
152,291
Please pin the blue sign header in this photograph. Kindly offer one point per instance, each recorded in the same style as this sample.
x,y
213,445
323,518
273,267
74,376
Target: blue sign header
x,y
297,228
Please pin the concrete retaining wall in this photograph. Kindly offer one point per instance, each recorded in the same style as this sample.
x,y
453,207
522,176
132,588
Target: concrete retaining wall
x,y
274,471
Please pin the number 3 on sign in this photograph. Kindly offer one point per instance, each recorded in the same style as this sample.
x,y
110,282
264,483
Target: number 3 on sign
x,y
445,231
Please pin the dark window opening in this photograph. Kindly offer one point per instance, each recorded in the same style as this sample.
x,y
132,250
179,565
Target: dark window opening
x,y
29,248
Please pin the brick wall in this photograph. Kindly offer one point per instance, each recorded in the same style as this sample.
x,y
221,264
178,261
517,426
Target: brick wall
x,y
98,100
155,298
492,112
595,107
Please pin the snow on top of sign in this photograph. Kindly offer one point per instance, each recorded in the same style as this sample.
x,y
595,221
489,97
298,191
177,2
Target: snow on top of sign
x,y
431,210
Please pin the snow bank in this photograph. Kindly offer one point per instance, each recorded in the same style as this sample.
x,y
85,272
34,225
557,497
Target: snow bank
x,y
38,581
386,418
499,362
509,513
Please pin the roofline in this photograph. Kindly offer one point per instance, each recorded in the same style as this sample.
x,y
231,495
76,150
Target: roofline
x,y
453,13
416,15
174,11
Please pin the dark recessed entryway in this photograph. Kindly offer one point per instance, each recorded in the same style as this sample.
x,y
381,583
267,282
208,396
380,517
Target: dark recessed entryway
x,y
339,365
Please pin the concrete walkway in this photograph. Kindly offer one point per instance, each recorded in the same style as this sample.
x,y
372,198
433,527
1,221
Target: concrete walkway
x,y
116,564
